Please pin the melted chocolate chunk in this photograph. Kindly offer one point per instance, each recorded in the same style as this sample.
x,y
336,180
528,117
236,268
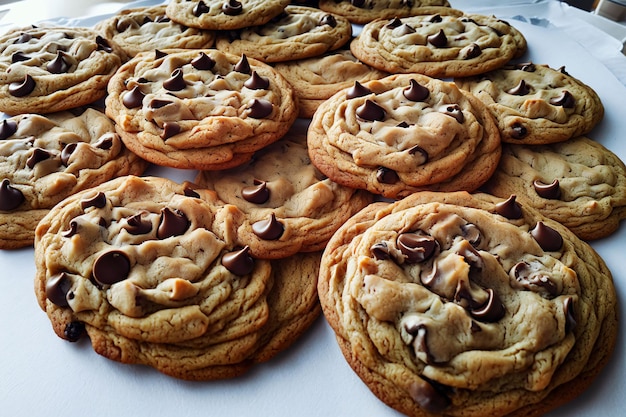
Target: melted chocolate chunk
x,y
74,331
329,20
176,82
19,57
538,282
417,246
454,110
105,143
170,129
157,103
67,152
358,3
190,192
521,89
243,66
357,90
133,98
97,201
570,320
72,230
124,24
429,398
380,251
203,62
239,262
471,233
162,19
518,131
256,82
37,156
565,100
471,51
509,208
7,129
24,88
23,38
492,311
111,267
370,111
57,288
416,150
257,194
526,66
59,64
550,191
416,92
438,40
10,197
395,22
260,108
172,223
158,54
436,19
269,229
137,225
386,176
232,8
548,238
200,8
103,44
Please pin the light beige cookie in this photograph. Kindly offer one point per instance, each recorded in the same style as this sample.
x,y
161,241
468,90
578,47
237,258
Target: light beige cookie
x,y
45,69
299,32
404,133
578,183
536,104
44,159
153,273
199,109
446,44
364,11
467,305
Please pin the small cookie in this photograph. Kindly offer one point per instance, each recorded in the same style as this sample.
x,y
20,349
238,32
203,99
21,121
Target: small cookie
x,y
446,44
151,272
224,15
290,207
364,11
316,79
578,183
299,32
535,104
46,69
148,28
44,159
404,133
467,305
199,109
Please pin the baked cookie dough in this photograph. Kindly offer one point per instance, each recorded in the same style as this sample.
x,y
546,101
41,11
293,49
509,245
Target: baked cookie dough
x,y
446,44
405,133
364,11
467,305
148,28
536,104
151,271
199,108
45,158
290,206
46,69
578,183
299,32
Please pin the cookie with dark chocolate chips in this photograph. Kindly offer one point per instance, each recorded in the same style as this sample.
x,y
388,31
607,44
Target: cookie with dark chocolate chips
x,y
152,272
467,305
47,69
364,11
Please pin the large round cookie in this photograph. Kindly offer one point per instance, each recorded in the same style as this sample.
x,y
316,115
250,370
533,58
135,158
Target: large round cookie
x,y
446,44
364,11
464,305
148,28
44,159
297,33
404,133
290,206
578,183
153,273
45,69
199,109
536,104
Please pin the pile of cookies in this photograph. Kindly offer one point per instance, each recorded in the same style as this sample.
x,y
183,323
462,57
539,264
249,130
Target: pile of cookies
x,y
414,180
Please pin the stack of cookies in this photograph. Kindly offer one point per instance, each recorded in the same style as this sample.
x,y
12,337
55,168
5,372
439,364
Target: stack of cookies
x,y
392,164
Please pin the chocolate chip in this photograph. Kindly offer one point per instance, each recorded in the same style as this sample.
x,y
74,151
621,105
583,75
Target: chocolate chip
x,y
170,129
492,311
385,175
527,67
200,9
429,398
550,191
7,128
59,64
243,66
548,238
454,110
190,192
257,194
172,223
518,131
509,208
570,320
103,44
329,20
176,82
533,280
521,89
420,341
24,88
417,246
66,152
203,62
370,111
239,262
394,23
416,92
162,19
74,331
137,225
404,125
357,90
111,267
358,3
565,100
124,24
158,54
405,29
380,251
37,156
436,19
416,150
133,98
471,233
438,40
23,38
57,288
72,230
105,143
157,103
269,229
471,51
97,201
10,197
232,8
260,108
19,57
256,82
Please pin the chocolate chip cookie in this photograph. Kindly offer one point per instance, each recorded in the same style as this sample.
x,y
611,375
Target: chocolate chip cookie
x,y
152,272
405,133
290,206
199,108
446,44
45,69
578,183
299,32
364,11
467,305
44,159
536,104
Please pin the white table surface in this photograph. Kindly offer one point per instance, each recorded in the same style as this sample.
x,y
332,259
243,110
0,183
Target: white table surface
x,y
42,375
